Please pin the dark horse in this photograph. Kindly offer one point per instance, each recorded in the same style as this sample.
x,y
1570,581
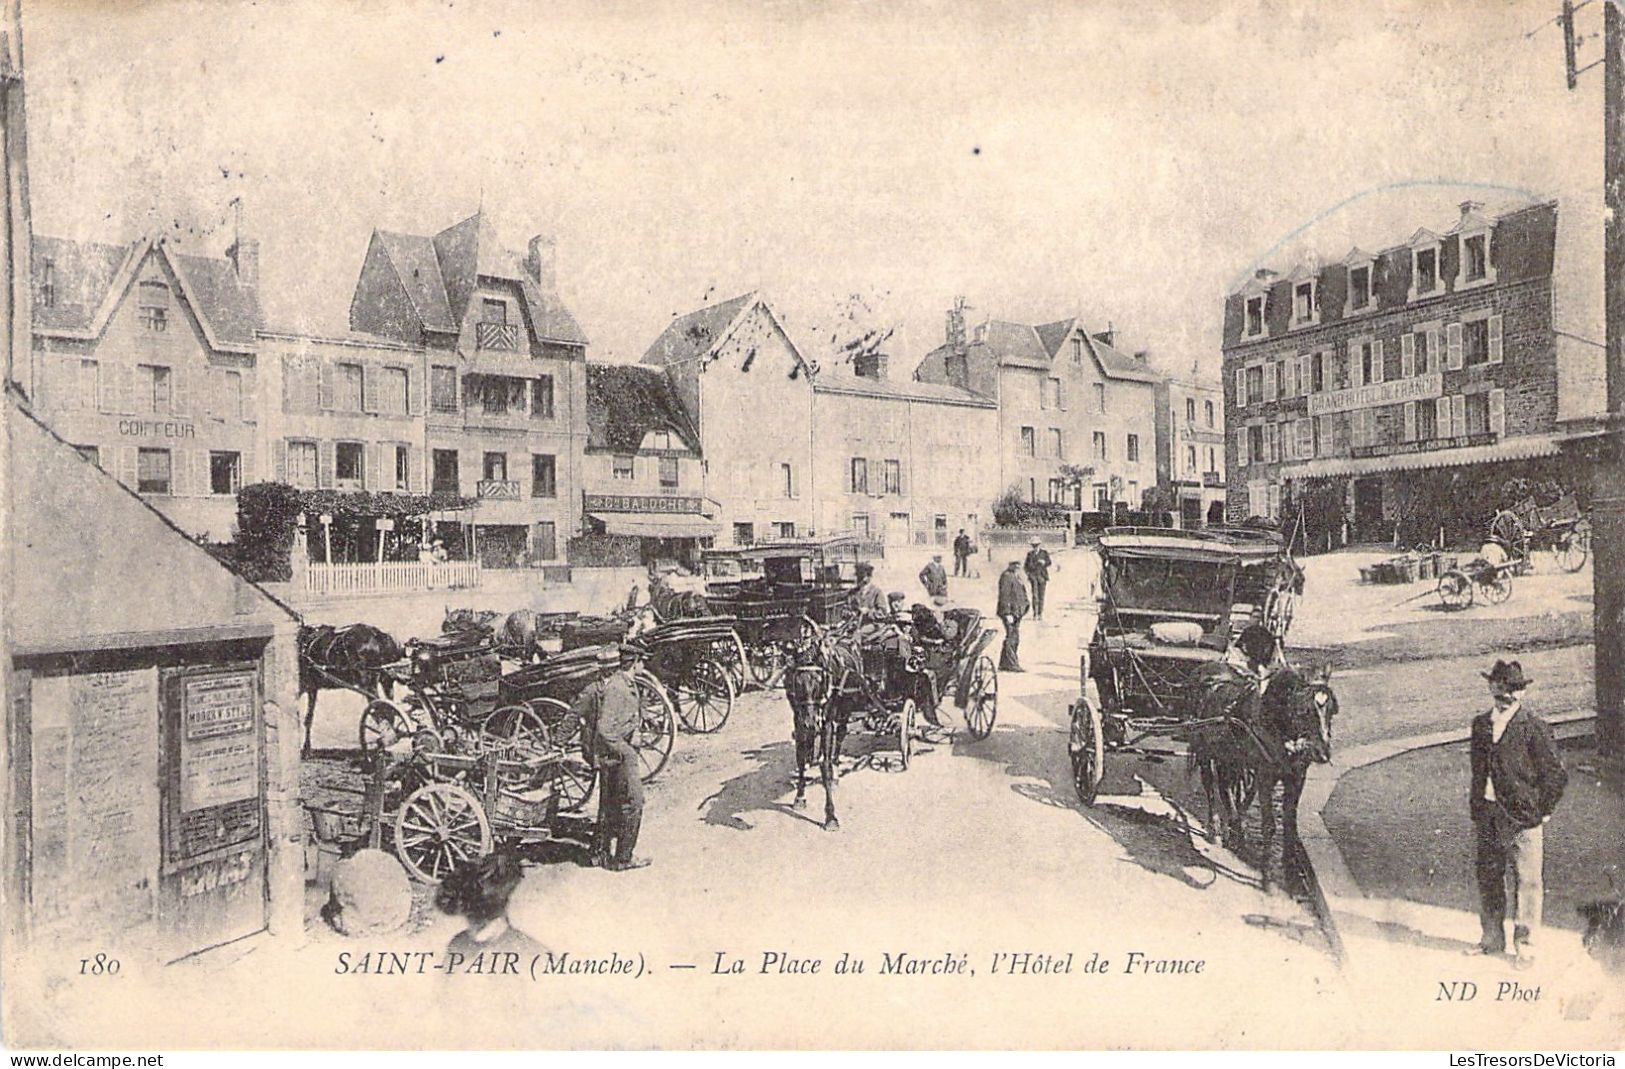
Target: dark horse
x,y
514,633
1254,742
817,683
344,658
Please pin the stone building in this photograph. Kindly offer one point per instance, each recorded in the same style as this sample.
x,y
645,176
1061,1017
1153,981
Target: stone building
x,y
1190,449
1400,391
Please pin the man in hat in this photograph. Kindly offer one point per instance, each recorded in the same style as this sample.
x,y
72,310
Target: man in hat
x,y
871,603
1013,605
934,577
610,717
962,553
1037,566
1517,781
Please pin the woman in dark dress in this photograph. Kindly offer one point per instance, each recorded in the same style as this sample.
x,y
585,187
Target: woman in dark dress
x,y
479,892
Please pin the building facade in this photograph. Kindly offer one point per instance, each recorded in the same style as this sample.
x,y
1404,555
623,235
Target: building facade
x,y
1190,450
1398,392
144,359
1065,398
506,412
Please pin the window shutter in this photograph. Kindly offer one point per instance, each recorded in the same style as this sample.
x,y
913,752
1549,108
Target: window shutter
x,y
325,376
1498,411
902,478
372,472
1356,370
1441,417
291,377
1453,340
1241,387
1270,384
202,481
1378,372
1434,355
414,392
1458,415
1407,355
324,465
1241,447
414,474
180,472
107,389
1495,339
279,461
369,388
1410,419
126,391
126,467
1289,377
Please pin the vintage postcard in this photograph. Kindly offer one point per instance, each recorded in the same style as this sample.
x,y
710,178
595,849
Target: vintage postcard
x,y
716,525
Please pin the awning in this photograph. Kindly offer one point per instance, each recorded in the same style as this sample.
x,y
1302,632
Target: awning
x,y
1524,448
656,524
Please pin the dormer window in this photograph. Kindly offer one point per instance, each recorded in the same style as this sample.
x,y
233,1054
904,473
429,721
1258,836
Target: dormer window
x,y
152,300
1475,257
1303,303
493,311
1473,231
1427,267
1427,270
1253,327
1077,350
1360,287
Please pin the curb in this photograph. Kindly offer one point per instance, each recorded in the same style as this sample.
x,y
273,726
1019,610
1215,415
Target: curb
x,y
1329,877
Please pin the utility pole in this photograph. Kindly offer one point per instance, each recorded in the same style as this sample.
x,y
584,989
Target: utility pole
x,y
1608,485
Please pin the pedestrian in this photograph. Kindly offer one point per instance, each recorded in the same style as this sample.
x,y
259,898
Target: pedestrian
x,y
962,552
1013,605
478,890
1037,566
934,577
610,715
1517,781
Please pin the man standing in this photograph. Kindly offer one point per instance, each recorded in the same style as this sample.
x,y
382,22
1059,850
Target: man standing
x,y
1013,605
1517,781
934,578
609,721
962,553
1037,567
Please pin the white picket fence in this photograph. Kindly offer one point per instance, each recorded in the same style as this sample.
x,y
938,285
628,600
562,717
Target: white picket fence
x,y
391,577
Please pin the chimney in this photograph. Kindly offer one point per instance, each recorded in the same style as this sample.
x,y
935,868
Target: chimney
x,y
1468,207
1142,356
957,369
541,263
1105,337
870,365
1264,274
245,261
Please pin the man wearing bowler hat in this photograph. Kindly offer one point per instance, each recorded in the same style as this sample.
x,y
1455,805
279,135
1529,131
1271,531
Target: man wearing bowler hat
x,y
1517,781
610,717
1037,566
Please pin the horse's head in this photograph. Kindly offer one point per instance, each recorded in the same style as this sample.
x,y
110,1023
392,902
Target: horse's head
x,y
1302,707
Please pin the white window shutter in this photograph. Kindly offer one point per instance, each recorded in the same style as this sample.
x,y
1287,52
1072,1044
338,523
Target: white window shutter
x,y
1241,387
203,482
1270,383
1410,418
1356,366
1458,415
1453,340
1291,375
279,461
372,473
1306,373
369,388
1407,355
1498,411
1495,339
1377,370
1441,417
1241,447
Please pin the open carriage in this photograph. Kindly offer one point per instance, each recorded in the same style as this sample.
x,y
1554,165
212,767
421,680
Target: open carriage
x,y
1171,604
1561,528
701,663
953,651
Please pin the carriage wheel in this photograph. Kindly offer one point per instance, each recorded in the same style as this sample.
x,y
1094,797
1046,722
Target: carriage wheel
x,y
1508,530
1495,587
767,665
1088,748
1455,590
982,698
439,827
1573,549
905,732
730,655
516,733
705,697
382,726
574,780
657,726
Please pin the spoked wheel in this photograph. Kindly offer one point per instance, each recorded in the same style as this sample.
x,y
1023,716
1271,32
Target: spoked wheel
x,y
705,698
905,732
729,653
574,779
1508,530
1495,587
517,733
382,726
657,726
982,698
767,665
1455,590
1573,549
1087,746
439,827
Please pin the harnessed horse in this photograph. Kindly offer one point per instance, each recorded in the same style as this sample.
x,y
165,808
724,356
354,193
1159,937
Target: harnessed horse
x,y
816,683
344,658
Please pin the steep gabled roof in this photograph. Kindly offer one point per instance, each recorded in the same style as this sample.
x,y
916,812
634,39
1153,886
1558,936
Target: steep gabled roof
x,y
1119,365
418,268
81,274
627,401
693,336
231,309
1015,344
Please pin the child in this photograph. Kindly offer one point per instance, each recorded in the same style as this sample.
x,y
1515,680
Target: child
x,y
479,891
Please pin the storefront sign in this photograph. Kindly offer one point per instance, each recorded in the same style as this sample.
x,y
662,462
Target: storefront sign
x,y
1428,446
152,428
1420,388
641,503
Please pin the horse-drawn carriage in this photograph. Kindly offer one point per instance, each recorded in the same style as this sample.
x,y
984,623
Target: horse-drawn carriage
x,y
1561,528
1162,676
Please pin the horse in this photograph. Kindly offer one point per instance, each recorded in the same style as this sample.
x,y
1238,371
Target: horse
x,y
515,633
353,657
816,685
1255,741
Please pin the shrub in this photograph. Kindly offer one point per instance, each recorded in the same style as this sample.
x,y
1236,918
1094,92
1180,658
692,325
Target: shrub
x,y
267,518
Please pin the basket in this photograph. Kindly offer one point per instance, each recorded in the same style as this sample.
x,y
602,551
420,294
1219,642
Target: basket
x,y
1405,569
1428,567
525,809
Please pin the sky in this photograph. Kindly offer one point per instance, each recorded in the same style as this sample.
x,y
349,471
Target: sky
x,y
1130,163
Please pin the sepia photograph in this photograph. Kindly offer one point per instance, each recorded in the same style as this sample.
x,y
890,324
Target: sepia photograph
x,y
719,525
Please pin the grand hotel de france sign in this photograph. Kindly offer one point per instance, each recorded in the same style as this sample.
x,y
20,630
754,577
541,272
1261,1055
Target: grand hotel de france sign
x,y
1419,388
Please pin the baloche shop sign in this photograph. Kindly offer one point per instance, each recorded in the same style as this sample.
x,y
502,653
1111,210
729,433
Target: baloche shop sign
x,y
640,503
156,428
1420,388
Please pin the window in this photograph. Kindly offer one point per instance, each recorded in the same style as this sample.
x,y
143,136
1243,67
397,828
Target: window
x,y
1134,499
543,475
860,475
227,402
83,388
152,471
1360,287
153,302
1057,491
90,453
787,480
1100,396
47,286
894,476
1255,444
1212,460
1366,368
1103,499
1190,409
668,472
157,388
541,397
497,395
1423,345
403,467
1032,490
392,391
1190,459
621,466
1050,393
1133,448
302,464
1254,325
1255,383
1478,413
1427,423
349,466
225,473
1475,342
860,526
1425,272
1029,443
1100,445
1475,257
784,529
1077,350
443,389
445,477
1318,371
544,540
496,467
493,310
1303,303
1055,444
744,534
1208,405
348,381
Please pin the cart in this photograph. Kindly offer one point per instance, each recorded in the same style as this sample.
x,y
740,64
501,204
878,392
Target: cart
x,y
1481,579
953,647
699,661
1561,528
